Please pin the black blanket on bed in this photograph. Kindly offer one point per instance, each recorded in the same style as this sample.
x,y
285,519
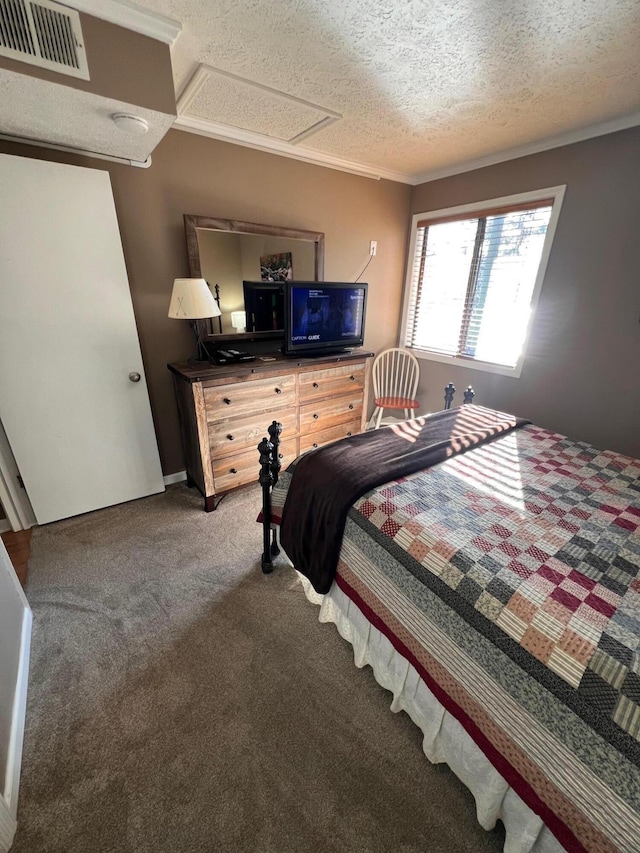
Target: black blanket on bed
x,y
327,481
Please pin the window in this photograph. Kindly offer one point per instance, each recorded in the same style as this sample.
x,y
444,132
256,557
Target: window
x,y
474,277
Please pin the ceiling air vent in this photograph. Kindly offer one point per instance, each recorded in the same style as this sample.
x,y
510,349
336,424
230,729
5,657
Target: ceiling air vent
x,y
45,34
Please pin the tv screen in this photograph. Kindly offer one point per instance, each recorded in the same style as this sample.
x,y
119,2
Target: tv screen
x,y
324,315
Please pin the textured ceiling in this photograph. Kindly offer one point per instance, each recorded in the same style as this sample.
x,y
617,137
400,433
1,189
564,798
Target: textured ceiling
x,y
422,84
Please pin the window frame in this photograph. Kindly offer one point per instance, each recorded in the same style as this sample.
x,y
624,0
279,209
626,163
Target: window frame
x,y
478,208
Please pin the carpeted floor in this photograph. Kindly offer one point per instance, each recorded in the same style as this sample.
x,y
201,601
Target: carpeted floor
x,y
180,701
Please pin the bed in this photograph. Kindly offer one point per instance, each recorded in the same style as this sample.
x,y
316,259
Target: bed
x,y
495,592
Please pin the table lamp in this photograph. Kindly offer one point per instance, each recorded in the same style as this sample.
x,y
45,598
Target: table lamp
x,y
192,300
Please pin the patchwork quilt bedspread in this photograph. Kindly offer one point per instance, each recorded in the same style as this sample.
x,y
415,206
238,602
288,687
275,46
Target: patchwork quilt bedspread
x,y
508,576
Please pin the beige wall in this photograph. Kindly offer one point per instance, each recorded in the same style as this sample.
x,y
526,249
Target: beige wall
x,y
581,373
580,376
192,174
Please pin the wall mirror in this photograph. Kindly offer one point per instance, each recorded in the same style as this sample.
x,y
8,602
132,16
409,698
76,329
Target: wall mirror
x,y
226,253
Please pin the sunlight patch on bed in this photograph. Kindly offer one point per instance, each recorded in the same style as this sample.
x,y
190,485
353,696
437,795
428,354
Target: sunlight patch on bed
x,y
408,430
493,469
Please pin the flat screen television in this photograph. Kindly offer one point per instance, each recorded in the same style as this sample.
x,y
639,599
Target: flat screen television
x,y
323,316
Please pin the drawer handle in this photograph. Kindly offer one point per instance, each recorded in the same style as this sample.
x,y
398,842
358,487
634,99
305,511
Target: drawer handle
x,y
315,417
349,433
352,378
278,390
314,444
227,401
280,455
315,385
230,437
233,470
351,405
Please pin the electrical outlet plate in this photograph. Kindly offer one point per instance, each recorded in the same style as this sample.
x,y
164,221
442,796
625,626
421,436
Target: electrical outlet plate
x,y
373,247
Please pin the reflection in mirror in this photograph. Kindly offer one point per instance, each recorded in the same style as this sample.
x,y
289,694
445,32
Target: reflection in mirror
x,y
227,253
263,306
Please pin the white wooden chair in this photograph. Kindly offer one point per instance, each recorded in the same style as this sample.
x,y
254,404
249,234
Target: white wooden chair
x,y
395,376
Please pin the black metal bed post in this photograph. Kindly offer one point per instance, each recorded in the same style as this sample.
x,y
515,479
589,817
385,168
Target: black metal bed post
x,y
217,298
469,394
269,472
265,448
449,391
274,435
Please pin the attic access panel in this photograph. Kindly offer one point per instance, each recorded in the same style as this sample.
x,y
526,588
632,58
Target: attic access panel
x,y
221,100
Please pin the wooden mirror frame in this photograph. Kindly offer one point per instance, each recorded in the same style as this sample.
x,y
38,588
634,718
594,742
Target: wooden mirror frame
x,y
191,225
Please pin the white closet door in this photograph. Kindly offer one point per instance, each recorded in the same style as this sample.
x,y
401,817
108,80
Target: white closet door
x,y
80,429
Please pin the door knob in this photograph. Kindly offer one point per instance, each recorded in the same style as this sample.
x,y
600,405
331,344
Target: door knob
x,y
134,377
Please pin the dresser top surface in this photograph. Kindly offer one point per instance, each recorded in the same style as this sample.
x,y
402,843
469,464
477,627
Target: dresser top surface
x,y
202,371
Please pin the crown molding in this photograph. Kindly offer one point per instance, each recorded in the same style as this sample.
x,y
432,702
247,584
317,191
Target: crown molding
x,y
132,17
572,136
249,139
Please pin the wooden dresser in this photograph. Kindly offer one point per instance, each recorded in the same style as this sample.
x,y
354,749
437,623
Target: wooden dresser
x,y
225,411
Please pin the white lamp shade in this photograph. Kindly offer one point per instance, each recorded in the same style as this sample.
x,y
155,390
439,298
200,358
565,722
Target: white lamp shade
x,y
239,320
191,299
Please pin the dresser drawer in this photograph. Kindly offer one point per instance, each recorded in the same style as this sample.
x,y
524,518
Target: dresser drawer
x,y
324,436
241,468
233,435
324,414
250,397
345,379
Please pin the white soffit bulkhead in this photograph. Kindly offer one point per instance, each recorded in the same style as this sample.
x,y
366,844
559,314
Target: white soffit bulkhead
x,y
39,110
53,114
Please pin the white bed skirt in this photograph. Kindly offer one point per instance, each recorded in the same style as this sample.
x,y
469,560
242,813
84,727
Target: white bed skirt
x,y
444,738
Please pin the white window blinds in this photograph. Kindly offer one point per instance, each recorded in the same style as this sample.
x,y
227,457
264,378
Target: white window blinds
x,y
472,282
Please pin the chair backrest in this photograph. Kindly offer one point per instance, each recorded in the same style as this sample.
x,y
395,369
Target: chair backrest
x,y
395,373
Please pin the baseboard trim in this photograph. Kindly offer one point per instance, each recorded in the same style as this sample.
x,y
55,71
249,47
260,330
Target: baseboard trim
x,y
178,477
5,525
